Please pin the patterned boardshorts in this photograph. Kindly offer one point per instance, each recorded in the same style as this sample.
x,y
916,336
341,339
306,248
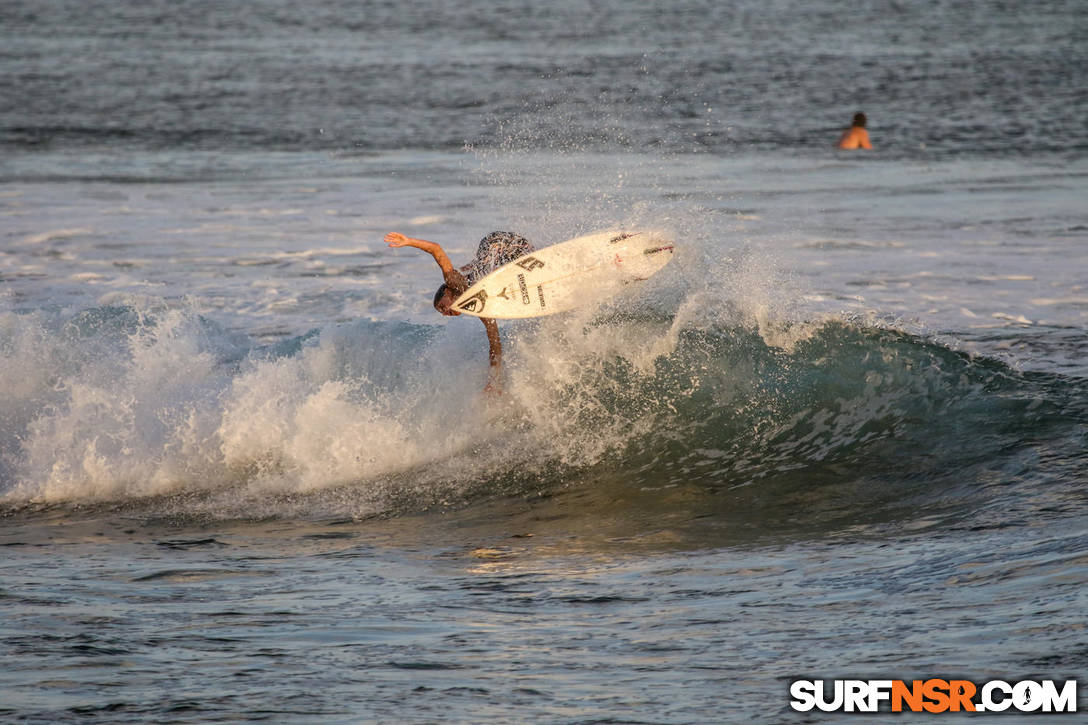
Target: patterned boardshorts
x,y
496,249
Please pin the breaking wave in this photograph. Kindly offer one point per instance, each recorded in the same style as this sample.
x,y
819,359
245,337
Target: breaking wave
x,y
116,405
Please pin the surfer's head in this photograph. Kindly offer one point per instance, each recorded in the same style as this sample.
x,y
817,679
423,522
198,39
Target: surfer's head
x,y
860,120
443,300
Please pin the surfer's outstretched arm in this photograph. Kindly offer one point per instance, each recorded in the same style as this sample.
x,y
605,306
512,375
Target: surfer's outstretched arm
x,y
494,345
452,276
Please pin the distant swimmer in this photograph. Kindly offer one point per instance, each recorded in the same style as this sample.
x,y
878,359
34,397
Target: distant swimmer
x,y
495,250
856,137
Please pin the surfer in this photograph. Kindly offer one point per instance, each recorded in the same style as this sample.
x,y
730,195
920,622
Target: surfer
x,y
495,250
856,137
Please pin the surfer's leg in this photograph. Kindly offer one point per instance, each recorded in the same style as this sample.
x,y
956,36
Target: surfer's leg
x,y
494,344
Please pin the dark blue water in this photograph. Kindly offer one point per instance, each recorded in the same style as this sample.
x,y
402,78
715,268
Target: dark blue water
x,y
936,78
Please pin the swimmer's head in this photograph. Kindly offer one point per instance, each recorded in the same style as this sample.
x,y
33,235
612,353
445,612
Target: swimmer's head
x,y
860,120
443,301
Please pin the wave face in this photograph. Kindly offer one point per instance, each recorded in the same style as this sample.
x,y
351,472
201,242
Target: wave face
x,y
163,410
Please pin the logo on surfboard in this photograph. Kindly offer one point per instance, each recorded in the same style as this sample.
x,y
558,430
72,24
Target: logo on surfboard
x,y
655,250
524,289
529,263
475,303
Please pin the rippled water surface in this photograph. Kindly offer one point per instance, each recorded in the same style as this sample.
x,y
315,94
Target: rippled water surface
x,y
520,610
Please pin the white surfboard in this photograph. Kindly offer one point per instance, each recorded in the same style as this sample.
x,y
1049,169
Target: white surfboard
x,y
570,274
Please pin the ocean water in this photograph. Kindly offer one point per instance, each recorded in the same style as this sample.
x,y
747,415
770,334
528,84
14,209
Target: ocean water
x,y
247,473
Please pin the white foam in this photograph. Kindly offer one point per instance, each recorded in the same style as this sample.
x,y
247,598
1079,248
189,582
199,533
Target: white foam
x,y
421,221
1012,318
1052,301
56,234
151,410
